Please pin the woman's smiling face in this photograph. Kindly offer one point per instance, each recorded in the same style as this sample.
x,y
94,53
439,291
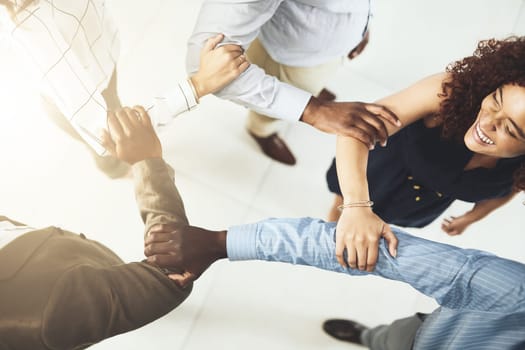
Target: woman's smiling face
x,y
499,129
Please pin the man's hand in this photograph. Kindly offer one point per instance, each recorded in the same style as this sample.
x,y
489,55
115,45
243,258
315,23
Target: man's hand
x,y
219,66
188,249
131,137
362,121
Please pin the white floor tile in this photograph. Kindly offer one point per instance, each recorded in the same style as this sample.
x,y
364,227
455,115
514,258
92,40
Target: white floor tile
x,y
519,26
299,190
283,306
208,207
211,145
133,18
410,39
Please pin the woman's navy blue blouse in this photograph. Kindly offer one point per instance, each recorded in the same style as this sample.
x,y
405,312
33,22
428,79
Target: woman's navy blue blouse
x,y
419,174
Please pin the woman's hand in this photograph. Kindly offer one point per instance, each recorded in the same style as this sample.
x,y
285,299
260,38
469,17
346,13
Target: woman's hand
x,y
359,231
455,225
218,66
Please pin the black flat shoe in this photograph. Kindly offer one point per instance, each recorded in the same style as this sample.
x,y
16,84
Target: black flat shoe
x,y
345,330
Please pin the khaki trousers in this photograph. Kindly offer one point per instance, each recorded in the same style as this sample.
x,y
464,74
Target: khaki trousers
x,y
311,79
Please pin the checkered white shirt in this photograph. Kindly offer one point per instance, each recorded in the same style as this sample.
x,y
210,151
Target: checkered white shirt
x,y
75,46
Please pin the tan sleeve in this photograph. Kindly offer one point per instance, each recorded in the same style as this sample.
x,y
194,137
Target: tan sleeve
x,y
95,303
157,196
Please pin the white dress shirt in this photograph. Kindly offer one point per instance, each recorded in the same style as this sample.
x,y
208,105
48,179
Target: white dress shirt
x,y
301,33
168,105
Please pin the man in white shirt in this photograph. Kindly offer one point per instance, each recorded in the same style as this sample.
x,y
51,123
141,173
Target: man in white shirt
x,y
294,47
74,46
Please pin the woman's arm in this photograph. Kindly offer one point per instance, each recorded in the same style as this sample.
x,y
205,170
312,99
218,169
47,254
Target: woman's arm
x,y
455,225
359,229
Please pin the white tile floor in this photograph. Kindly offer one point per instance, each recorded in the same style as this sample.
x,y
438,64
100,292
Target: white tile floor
x,y
47,178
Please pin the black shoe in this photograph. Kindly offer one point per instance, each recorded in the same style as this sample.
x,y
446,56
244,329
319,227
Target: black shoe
x,y
274,147
344,330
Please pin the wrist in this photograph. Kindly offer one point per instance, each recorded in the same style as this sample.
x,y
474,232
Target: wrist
x,y
220,245
199,87
311,111
357,205
133,161
359,192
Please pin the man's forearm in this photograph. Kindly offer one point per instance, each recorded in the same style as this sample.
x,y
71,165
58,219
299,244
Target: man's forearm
x,y
266,95
253,89
157,196
262,93
455,277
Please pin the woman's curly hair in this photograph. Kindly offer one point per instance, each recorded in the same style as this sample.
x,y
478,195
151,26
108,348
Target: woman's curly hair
x,y
493,64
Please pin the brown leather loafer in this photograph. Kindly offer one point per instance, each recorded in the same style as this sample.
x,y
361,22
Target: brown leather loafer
x,y
274,147
345,330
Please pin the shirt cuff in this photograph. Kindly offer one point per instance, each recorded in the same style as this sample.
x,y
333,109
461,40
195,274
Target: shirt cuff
x,y
148,166
172,103
289,103
240,242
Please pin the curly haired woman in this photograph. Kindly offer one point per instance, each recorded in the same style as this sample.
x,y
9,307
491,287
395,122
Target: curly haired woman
x,y
463,137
